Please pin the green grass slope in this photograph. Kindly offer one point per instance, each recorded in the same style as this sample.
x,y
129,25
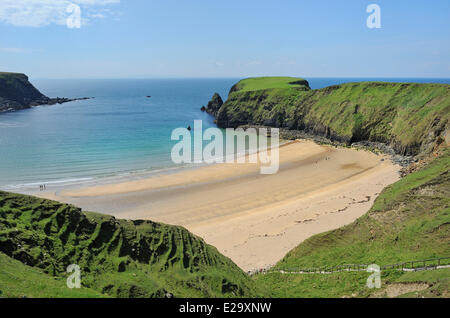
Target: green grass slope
x,y
411,117
19,280
118,258
261,83
435,283
410,220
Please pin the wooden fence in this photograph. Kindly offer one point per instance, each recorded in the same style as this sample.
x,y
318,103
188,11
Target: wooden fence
x,y
427,264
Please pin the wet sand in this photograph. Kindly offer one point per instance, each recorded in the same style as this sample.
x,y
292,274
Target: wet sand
x,y
252,218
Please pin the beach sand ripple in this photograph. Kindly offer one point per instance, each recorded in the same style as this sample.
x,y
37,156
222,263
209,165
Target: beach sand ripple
x,y
254,219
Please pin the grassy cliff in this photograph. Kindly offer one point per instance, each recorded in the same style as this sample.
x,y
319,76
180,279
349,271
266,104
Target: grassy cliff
x,y
410,117
261,83
118,258
409,220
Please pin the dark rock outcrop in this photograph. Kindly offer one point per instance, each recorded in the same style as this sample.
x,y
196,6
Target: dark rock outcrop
x,y
17,93
214,104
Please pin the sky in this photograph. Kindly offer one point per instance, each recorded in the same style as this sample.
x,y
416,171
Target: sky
x,y
216,38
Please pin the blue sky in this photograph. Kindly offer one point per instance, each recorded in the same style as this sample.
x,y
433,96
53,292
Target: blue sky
x,y
212,38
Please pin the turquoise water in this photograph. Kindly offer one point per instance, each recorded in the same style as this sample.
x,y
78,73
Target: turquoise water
x,y
119,132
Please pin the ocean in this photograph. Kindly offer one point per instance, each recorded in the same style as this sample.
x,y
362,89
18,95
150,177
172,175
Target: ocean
x,y
120,132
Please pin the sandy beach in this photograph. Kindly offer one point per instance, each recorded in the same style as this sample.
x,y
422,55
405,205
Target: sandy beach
x,y
252,218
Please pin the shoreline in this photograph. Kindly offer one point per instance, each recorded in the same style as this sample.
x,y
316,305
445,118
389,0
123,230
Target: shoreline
x,y
253,219
57,185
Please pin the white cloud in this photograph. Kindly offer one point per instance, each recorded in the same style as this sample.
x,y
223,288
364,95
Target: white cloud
x,y
36,13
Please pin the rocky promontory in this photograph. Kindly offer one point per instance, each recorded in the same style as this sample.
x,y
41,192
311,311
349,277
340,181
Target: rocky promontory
x,y
214,104
16,93
410,118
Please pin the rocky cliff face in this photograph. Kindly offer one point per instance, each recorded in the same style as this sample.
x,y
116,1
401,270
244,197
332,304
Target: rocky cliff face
x,y
214,104
16,93
412,118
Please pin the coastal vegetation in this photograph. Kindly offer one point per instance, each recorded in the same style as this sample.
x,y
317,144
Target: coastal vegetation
x,y
262,83
410,117
19,280
119,258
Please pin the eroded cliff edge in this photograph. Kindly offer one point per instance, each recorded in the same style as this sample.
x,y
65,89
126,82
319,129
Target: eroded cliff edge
x,y
411,118
16,92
